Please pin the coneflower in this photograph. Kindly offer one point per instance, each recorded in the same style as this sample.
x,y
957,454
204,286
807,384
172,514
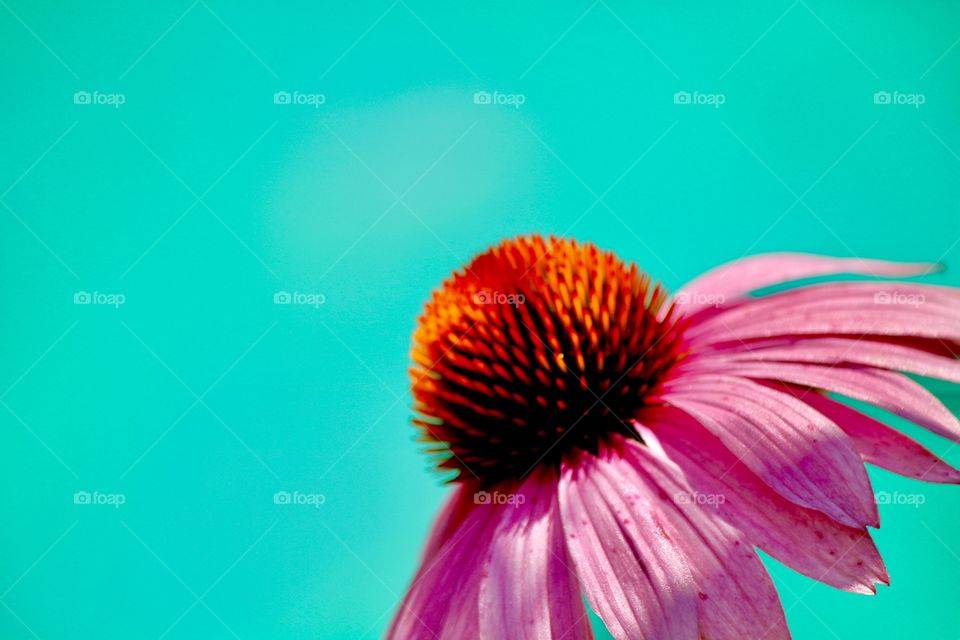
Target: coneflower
x,y
612,442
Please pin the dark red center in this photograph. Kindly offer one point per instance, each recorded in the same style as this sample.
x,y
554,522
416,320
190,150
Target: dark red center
x,y
536,347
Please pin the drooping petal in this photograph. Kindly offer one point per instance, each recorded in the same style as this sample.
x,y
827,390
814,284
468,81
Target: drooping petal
x,y
882,445
861,321
442,600
834,351
888,390
736,279
800,453
737,599
531,591
857,308
805,540
936,299
634,577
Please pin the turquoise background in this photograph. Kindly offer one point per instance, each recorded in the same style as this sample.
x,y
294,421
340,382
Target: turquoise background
x,y
199,198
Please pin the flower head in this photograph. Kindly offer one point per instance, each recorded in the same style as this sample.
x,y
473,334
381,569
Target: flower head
x,y
611,441
513,353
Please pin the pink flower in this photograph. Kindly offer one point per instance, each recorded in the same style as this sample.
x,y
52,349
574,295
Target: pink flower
x,y
615,443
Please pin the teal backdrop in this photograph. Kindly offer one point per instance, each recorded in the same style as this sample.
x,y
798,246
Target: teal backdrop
x,y
220,221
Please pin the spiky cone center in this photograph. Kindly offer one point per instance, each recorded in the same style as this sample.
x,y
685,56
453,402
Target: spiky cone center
x,y
537,347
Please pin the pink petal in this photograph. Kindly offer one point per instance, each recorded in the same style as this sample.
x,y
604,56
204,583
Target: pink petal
x,y
737,597
736,279
894,392
844,350
797,451
806,540
531,591
635,578
890,295
442,601
859,308
881,445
